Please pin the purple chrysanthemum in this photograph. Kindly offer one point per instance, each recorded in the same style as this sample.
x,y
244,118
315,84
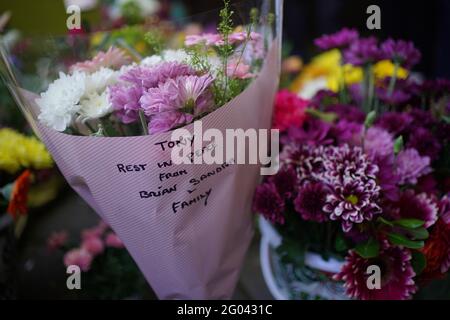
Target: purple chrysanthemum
x,y
410,166
353,202
310,201
151,77
285,181
394,122
347,112
362,52
313,132
425,142
125,101
387,178
416,206
182,98
397,275
352,178
397,97
348,163
308,161
444,209
339,40
378,143
347,132
268,202
402,52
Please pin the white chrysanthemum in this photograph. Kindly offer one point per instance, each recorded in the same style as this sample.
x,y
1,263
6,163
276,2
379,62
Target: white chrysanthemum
x,y
151,61
60,102
95,105
100,80
175,56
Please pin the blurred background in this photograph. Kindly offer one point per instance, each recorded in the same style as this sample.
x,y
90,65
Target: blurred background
x,y
426,23
33,246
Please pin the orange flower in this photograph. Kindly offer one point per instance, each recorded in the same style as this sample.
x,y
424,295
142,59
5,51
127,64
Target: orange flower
x,y
19,196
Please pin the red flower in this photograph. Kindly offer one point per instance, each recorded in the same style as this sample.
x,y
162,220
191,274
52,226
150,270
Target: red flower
x,y
437,252
437,247
18,202
289,110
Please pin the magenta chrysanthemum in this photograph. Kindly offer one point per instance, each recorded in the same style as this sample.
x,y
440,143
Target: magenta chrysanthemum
x,y
397,275
410,166
416,206
268,202
338,40
363,51
285,181
394,122
310,201
402,52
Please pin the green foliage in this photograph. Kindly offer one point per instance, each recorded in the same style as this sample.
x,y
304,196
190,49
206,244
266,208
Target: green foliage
x,y
155,40
401,240
398,145
419,262
370,119
369,249
113,275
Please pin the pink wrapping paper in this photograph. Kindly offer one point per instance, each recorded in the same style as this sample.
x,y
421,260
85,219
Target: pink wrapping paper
x,y
197,252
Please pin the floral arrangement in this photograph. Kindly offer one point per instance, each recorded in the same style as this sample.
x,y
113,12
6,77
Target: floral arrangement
x,y
120,93
108,271
24,163
364,169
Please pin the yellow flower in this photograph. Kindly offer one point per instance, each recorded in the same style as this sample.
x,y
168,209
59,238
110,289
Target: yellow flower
x,y
327,65
18,151
386,68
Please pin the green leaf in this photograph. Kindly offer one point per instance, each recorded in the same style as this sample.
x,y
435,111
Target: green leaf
x,y
419,233
398,145
370,119
368,250
409,223
419,262
401,240
340,245
324,116
384,221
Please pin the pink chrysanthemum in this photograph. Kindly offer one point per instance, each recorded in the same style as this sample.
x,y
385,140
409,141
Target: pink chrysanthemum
x,y
114,58
177,101
151,77
397,275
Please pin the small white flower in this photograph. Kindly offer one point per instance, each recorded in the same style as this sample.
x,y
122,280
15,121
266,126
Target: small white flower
x,y
95,105
151,61
175,56
61,100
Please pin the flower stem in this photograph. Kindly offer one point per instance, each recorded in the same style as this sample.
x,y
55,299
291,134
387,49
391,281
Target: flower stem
x,y
393,79
143,122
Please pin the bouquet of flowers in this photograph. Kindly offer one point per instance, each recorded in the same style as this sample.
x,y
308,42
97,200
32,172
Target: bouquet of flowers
x,y
108,270
107,122
364,176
